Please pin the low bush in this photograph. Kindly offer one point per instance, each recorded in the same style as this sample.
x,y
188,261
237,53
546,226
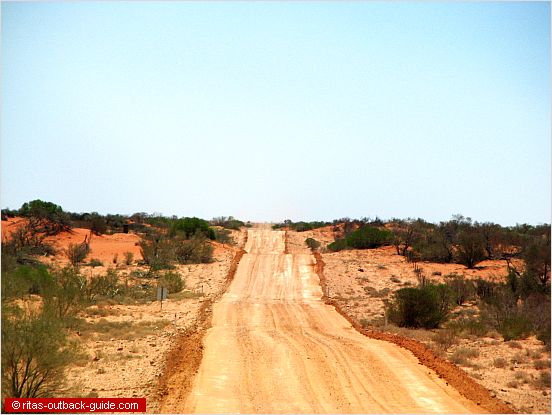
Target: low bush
x,y
369,237
24,244
461,355
426,306
76,253
445,338
95,263
67,294
35,352
312,243
191,226
158,251
463,290
228,222
24,280
541,364
471,326
543,380
172,281
338,245
106,285
224,236
196,250
515,327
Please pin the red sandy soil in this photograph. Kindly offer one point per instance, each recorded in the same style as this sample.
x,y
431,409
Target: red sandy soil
x,y
105,248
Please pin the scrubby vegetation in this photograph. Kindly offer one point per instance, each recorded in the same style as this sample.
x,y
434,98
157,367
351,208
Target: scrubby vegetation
x,y
39,308
35,352
365,237
516,308
228,222
45,217
300,226
312,243
42,305
465,242
162,250
426,306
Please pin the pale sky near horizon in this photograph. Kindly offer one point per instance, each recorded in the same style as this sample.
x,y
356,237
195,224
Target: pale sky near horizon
x,y
275,110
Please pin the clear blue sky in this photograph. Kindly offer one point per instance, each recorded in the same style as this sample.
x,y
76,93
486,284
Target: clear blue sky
x,y
268,111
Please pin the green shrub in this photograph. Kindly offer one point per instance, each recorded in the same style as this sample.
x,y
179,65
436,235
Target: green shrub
x,y
158,251
97,223
514,327
463,290
426,306
191,226
223,236
24,280
24,244
473,326
67,294
95,263
196,250
45,217
228,222
172,281
312,243
369,237
432,249
470,247
338,245
106,285
76,253
35,352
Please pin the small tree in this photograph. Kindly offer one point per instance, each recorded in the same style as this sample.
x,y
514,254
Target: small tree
x,y
35,352
537,258
45,217
471,247
98,224
196,250
67,293
462,289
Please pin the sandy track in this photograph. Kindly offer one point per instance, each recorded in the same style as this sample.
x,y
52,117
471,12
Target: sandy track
x,y
275,347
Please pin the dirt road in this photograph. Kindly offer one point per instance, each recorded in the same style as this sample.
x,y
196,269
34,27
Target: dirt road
x,y
274,347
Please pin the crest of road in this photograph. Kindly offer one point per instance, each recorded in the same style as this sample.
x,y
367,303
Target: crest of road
x,y
275,346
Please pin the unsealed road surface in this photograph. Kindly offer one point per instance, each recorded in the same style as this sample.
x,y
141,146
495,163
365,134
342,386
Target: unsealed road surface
x,y
274,347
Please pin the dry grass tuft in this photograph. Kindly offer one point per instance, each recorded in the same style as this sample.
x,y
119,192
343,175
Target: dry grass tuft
x,y
461,355
541,364
514,344
500,362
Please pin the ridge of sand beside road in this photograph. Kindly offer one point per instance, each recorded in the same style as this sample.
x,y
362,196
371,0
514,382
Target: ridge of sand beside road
x,y
275,347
